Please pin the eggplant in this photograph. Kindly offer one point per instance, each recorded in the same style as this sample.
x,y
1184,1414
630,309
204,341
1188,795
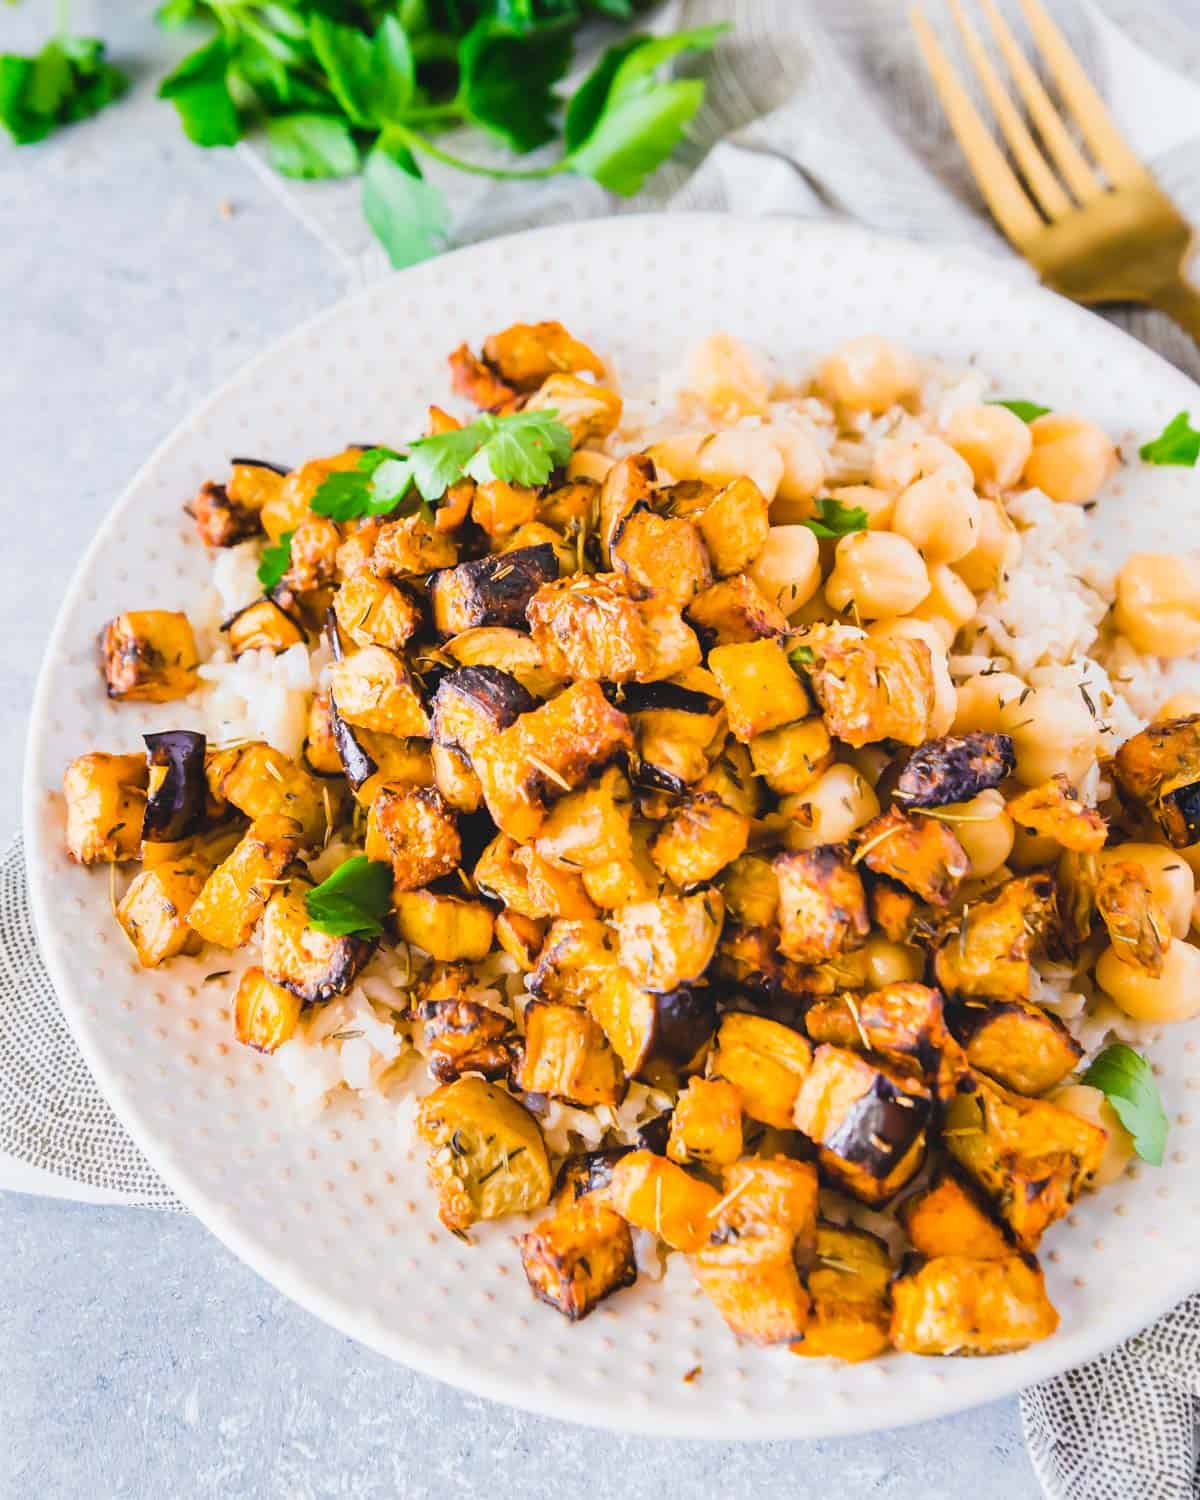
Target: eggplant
x,y
955,769
654,1134
178,789
684,1021
879,1127
641,697
357,764
491,590
1015,1042
314,966
1160,768
262,463
267,623
473,704
1179,812
590,1171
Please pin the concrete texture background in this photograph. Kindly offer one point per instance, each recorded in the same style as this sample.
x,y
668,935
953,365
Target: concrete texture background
x,y
139,1358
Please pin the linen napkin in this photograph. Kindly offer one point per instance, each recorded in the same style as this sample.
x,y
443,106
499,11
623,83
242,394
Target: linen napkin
x,y
813,110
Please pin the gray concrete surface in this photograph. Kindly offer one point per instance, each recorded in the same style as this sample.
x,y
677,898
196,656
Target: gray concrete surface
x,y
137,1357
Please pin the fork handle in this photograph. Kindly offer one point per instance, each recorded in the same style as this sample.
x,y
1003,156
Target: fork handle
x,y
1181,303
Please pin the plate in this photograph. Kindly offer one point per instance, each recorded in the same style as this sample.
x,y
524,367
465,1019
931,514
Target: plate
x,y
335,1213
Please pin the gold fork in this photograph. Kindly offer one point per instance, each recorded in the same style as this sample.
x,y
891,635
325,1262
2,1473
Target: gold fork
x,y
1110,238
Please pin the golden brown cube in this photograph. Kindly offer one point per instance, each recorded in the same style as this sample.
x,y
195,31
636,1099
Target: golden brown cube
x,y
706,1123
235,895
517,875
766,1061
459,1035
374,612
567,1056
987,952
650,1192
525,354
751,891
955,1305
1014,1041
155,908
578,1257
412,829
670,942
760,689
590,826
920,853
262,626
699,840
106,804
265,1015
149,656
733,522
822,904
871,690
1053,810
790,759
411,546
220,520
851,1306
373,689
446,927
262,782
314,965
903,1022
661,557
950,1218
736,610
589,626
314,550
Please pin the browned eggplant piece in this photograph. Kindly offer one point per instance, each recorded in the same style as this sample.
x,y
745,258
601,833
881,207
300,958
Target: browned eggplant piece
x,y
321,755
653,1193
676,728
473,704
920,853
986,952
589,1172
491,590
412,829
580,1256
1160,768
471,378
220,520
1053,810
951,1217
105,797
766,1061
526,354
265,1015
567,1056
1015,1042
1030,1156
661,557
867,1119
735,610
698,840
516,875
670,942
822,904
900,916
262,626
706,1125
178,786
954,769
228,908
902,1022
462,1036
314,965
154,910
848,1283
956,1305
357,763
148,656
1138,927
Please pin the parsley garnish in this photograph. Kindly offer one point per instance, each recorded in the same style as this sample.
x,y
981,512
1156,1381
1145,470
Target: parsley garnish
x,y
1028,411
275,562
1178,443
1127,1081
802,659
835,519
523,448
67,80
353,900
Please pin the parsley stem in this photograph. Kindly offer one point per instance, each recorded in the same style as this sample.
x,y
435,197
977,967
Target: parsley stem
x,y
428,114
417,142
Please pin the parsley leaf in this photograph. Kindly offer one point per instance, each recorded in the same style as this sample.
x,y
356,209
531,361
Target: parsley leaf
x,y
311,146
835,519
1026,410
372,489
275,562
198,89
509,70
802,659
353,900
1127,1081
524,448
1178,443
408,215
67,80
372,77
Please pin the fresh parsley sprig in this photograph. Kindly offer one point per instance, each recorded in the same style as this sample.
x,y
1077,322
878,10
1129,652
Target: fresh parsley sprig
x,y
1127,1081
67,80
353,900
1178,443
275,562
1028,411
832,518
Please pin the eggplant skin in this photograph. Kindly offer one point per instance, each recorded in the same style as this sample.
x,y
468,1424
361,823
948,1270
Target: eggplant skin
x,y
591,1171
1179,812
262,463
474,703
491,590
642,697
176,802
955,769
684,1020
877,1130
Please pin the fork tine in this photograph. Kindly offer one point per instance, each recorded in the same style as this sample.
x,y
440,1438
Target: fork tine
x,y
997,181
1045,186
1084,102
1082,181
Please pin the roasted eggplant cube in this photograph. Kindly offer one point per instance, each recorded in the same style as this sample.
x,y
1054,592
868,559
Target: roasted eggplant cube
x,y
759,687
518,876
491,590
589,411
262,626
734,611
220,520
373,690
751,890
849,1286
521,938
412,546
525,354
1031,1157
986,952
235,895
765,1061
955,1305
922,854
576,958
321,754
822,904
670,942
790,759
1015,1042
412,829
698,840
590,1172
475,381
733,522
568,1057
950,1217
154,910
314,965
374,612
590,826
488,1158
265,1015
463,1036
473,704
872,690
661,557
650,1192
455,779
261,782
448,928
548,753
1053,810
590,626
954,768
675,740
1138,927
580,1256
177,791
706,1124
903,1022
106,803
867,1119
1160,769
149,656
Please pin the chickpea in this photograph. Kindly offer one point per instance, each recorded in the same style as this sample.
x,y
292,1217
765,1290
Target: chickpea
x,y
584,464
881,572
788,569
1158,603
994,441
997,549
829,810
1032,851
1178,706
869,374
940,516
721,457
948,605
984,829
1172,883
818,611
1071,458
891,963
981,701
1052,730
945,699
727,376
877,503
871,760
803,470
1173,996
1090,1104
901,461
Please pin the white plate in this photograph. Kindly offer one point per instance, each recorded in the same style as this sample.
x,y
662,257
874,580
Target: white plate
x,y
336,1213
